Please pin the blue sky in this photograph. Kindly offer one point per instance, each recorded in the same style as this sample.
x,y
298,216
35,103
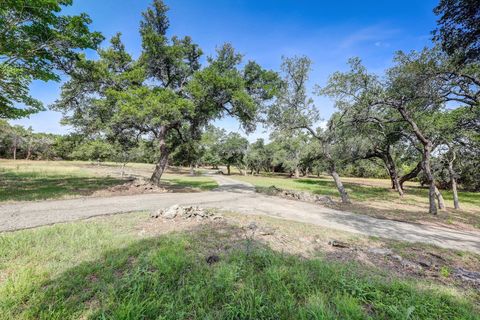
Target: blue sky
x,y
329,32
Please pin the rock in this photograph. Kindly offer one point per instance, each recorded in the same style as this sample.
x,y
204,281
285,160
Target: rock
x,y
467,275
156,214
266,231
297,195
380,251
407,264
212,259
171,212
252,226
397,257
425,263
339,244
186,212
324,200
436,256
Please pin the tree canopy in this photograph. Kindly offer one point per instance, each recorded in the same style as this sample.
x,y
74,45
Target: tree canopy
x,y
166,93
458,29
36,40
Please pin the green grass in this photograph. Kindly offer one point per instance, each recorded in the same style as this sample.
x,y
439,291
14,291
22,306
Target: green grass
x,y
40,185
360,191
41,180
318,186
102,269
186,181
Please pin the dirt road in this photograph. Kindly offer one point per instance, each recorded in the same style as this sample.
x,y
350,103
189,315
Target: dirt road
x,y
235,196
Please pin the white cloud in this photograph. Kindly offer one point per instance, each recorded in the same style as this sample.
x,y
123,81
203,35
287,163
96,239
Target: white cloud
x,y
376,33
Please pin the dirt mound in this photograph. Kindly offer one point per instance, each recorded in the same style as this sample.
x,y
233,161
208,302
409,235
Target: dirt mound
x,y
137,186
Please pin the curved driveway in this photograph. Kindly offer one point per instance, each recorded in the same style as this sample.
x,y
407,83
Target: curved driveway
x,y
239,197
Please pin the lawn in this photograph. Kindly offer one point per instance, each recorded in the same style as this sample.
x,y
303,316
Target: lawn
x,y
24,184
107,268
182,181
40,180
375,197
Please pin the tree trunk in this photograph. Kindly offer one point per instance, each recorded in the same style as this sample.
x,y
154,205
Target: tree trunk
x,y
163,160
338,183
192,172
305,172
453,181
412,174
392,171
427,149
29,150
428,174
297,173
123,168
14,152
242,171
228,169
441,201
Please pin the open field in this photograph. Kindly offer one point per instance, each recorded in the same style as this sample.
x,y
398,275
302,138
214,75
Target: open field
x,y
133,266
39,180
375,197
22,180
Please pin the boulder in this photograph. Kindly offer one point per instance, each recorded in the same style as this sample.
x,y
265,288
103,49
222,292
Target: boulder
x,y
171,212
338,244
467,275
380,251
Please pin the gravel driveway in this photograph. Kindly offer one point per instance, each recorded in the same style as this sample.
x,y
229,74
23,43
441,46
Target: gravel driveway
x,y
235,196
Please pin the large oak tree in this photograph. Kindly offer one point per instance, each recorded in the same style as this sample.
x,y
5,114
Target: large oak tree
x,y
166,93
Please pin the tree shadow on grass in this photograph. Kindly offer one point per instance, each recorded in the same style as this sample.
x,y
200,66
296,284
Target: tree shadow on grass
x,y
361,191
184,184
169,278
23,186
357,191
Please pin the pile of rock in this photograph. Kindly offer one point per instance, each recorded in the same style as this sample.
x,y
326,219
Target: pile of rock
x,y
298,195
185,212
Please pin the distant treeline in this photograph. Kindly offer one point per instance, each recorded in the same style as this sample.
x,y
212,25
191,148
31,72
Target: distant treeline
x,y
295,156
18,142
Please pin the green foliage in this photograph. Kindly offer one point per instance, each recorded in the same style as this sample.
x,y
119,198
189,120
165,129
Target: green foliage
x,y
20,143
458,28
258,157
211,144
36,39
289,150
445,271
94,150
166,94
233,148
294,108
365,169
